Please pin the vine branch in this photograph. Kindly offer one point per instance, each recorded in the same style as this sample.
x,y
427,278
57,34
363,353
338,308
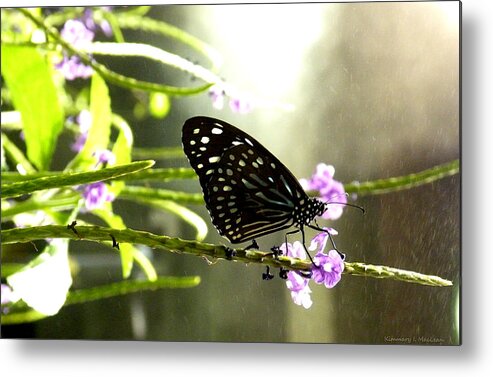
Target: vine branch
x,y
208,251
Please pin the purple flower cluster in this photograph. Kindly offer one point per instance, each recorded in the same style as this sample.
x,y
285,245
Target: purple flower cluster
x,y
104,25
330,190
77,34
237,104
297,284
72,68
105,157
328,267
84,120
327,270
96,194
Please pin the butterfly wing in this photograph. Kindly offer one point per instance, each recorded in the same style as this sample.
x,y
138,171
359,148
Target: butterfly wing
x,y
248,191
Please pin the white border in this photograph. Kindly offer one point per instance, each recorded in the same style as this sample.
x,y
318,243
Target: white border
x,y
89,358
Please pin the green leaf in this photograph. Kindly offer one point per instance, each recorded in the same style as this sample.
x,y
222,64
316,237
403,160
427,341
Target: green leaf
x,y
182,212
122,149
29,77
16,156
159,105
98,137
127,251
71,179
44,283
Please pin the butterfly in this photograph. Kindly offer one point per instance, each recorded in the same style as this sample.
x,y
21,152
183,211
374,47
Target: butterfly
x,y
248,192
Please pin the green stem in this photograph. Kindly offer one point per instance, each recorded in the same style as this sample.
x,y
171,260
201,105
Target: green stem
x,y
130,21
209,251
136,192
152,53
161,175
105,291
71,179
16,155
55,203
384,186
110,76
158,153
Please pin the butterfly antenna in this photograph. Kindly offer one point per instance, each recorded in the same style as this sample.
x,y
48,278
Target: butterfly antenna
x,y
348,205
344,204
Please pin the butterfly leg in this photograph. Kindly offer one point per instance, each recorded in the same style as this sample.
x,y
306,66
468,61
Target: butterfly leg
x,y
267,275
230,253
343,256
254,245
304,246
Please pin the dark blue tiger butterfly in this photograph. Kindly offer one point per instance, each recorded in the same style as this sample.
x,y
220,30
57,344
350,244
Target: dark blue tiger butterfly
x,y
249,193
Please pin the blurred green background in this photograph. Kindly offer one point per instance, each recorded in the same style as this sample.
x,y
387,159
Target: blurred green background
x,y
375,89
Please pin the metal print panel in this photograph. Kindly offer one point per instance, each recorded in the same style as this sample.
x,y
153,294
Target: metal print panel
x,y
285,173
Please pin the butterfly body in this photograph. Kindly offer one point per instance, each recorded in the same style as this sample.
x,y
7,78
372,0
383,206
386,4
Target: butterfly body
x,y
248,192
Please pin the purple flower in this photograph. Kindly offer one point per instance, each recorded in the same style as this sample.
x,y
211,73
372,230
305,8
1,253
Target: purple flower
x,y
84,120
104,156
320,240
96,194
90,23
240,105
79,142
72,68
297,284
106,28
330,190
300,291
296,250
76,33
329,268
217,95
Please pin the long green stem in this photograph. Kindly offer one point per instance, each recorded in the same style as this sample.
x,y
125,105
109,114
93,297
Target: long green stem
x,y
209,251
152,53
56,203
158,153
135,192
113,77
105,291
147,24
384,186
160,174
71,179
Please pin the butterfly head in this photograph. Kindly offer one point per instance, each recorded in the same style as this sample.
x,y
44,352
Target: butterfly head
x,y
320,207
315,208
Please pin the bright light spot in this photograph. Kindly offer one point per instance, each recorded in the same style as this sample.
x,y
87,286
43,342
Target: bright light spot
x,y
270,42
